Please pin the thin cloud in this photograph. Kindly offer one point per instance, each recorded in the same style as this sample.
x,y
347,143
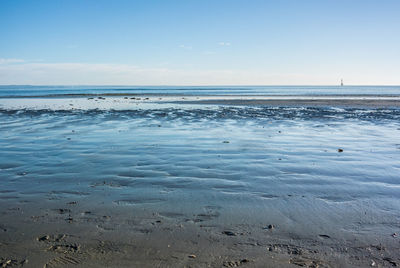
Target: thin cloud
x,y
126,74
9,61
227,44
208,52
185,47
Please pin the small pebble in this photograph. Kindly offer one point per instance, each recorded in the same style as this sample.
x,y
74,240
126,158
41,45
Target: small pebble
x,y
192,256
229,233
43,238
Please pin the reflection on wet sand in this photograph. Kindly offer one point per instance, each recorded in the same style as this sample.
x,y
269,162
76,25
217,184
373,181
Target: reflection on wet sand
x,y
198,185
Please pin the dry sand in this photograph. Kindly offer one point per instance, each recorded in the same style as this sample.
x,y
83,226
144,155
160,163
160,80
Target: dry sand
x,y
157,101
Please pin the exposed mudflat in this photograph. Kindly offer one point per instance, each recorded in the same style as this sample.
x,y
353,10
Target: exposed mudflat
x,y
344,102
121,182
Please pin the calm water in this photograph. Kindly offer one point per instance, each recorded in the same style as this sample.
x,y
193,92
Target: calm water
x,y
6,91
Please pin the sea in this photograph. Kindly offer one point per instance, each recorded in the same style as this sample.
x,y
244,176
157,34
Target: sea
x,y
26,90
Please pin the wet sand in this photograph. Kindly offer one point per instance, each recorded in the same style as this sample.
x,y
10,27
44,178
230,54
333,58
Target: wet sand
x,y
175,182
77,234
314,102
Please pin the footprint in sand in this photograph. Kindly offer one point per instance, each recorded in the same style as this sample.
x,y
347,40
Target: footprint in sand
x,y
52,238
61,261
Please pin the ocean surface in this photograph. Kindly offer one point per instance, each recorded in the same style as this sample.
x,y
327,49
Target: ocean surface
x,y
8,91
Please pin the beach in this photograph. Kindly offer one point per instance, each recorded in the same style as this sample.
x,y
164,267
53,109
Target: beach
x,y
177,180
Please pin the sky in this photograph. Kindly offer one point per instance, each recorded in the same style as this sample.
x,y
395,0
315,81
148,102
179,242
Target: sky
x,y
202,42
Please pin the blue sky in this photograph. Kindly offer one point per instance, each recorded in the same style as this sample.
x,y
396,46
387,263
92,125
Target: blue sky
x,y
187,42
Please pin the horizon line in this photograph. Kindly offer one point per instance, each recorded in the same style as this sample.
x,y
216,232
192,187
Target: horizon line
x,y
211,85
